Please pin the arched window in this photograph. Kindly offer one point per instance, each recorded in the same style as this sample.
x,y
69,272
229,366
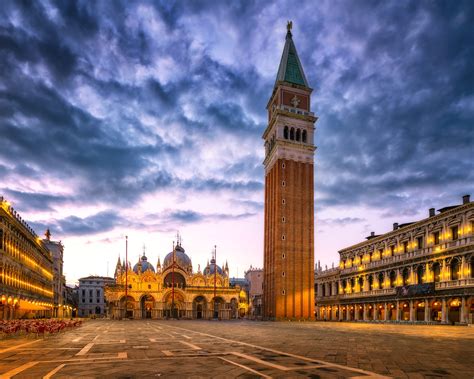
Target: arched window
x,y
371,283
454,269
419,274
381,280
304,137
285,132
472,267
361,283
344,285
405,276
393,279
298,135
292,134
352,284
436,272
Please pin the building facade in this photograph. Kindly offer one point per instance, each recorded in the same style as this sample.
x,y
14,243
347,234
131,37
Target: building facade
x,y
91,295
60,306
26,269
419,272
254,278
288,289
173,290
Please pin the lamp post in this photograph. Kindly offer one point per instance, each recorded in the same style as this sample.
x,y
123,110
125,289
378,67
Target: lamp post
x,y
172,283
126,275
216,313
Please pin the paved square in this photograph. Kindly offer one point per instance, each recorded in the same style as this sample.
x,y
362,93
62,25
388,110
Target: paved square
x,y
126,349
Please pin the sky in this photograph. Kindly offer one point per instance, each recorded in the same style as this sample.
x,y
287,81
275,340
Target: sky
x,y
145,118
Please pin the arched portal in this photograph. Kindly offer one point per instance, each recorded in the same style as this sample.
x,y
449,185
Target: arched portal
x,y
173,304
405,311
420,310
454,308
455,269
146,305
199,307
127,304
174,278
436,311
218,304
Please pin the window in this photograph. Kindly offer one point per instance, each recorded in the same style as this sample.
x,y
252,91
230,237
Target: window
x,y
283,201
455,232
83,292
283,219
419,242
149,286
436,238
83,300
370,256
393,279
283,165
380,253
436,272
1,239
405,246
283,256
283,292
98,293
292,134
90,300
392,250
90,293
283,237
419,274
380,281
283,273
283,183
98,300
454,269
298,135
405,276
304,137
285,132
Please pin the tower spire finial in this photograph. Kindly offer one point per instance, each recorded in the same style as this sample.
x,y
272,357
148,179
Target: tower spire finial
x,y
289,26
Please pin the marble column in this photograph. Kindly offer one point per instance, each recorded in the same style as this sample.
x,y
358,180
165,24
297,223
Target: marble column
x,y
348,313
444,316
364,313
341,315
462,311
427,311
397,318
376,312
356,312
412,311
385,312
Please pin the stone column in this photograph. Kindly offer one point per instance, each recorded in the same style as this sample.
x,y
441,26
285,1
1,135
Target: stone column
x,y
462,311
376,311
427,311
385,312
356,312
341,315
398,311
463,263
444,316
444,272
412,311
428,273
348,313
364,312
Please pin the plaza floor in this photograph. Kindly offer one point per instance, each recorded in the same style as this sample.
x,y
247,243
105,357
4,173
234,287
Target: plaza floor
x,y
132,349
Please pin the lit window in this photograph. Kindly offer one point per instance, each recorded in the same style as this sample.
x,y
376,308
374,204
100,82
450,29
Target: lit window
x,y
455,232
436,238
419,242
405,246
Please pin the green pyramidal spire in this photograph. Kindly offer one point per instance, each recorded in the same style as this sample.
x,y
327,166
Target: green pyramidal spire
x,y
290,69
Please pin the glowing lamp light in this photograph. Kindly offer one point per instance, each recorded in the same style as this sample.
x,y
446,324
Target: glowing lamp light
x,y
404,305
392,306
380,307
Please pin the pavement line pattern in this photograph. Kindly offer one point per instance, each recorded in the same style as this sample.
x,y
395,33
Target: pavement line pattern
x,y
258,360
54,371
17,370
17,346
364,372
85,349
77,339
245,367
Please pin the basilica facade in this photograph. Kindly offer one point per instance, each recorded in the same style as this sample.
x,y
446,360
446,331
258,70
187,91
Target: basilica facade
x,y
173,290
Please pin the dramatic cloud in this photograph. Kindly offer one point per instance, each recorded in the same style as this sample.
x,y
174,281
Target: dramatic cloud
x,y
113,112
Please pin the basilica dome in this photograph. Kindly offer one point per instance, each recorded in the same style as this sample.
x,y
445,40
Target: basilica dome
x,y
181,258
143,265
211,268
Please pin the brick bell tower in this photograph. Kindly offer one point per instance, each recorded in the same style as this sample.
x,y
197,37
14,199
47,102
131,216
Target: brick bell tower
x,y
288,289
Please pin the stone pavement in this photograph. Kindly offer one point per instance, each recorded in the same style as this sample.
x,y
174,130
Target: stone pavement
x,y
146,348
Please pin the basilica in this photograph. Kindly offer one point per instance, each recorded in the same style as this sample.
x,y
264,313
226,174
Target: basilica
x,y
173,290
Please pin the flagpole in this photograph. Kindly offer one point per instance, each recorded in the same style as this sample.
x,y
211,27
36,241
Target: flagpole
x,y
126,274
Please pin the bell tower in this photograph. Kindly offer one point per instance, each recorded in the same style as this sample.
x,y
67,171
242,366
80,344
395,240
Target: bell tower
x,y
288,290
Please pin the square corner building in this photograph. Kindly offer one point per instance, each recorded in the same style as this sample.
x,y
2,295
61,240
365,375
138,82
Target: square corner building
x,y
288,289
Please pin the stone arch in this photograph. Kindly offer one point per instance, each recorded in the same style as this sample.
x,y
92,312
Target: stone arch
x,y
285,132
454,309
200,307
381,279
405,276
292,134
454,268
147,303
419,274
436,272
393,279
304,136
298,135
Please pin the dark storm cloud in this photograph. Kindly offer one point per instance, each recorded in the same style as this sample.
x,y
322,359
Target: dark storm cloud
x,y
78,226
116,100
